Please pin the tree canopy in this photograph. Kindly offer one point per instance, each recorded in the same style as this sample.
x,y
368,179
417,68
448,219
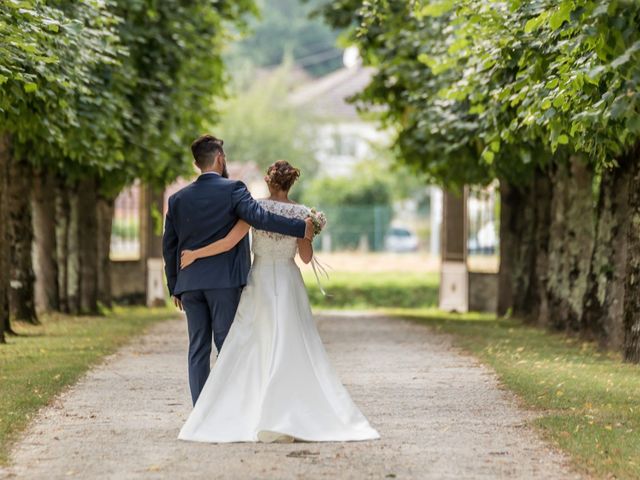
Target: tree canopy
x,y
95,94
116,88
479,89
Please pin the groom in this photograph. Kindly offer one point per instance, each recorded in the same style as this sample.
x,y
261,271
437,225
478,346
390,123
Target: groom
x,y
209,289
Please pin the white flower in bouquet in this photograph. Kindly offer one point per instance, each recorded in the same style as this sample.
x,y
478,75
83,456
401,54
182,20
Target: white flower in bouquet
x,y
319,220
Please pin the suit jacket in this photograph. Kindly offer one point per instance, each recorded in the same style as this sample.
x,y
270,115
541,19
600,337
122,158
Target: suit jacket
x,y
204,212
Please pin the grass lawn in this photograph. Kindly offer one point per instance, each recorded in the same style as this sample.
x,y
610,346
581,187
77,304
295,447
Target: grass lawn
x,y
589,401
373,290
43,360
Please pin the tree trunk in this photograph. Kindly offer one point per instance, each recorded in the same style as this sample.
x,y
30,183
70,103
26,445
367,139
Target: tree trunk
x,y
524,213
73,253
571,239
105,221
632,282
533,306
22,293
5,152
511,202
155,215
604,300
45,249
63,217
88,246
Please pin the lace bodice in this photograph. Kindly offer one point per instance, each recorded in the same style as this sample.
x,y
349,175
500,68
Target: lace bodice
x,y
275,245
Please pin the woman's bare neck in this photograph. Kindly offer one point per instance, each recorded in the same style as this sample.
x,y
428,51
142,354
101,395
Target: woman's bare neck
x,y
280,197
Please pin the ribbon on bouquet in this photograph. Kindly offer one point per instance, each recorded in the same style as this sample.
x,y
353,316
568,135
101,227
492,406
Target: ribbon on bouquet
x,y
318,266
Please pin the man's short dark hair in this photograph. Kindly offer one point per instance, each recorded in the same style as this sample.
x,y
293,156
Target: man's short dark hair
x,y
204,150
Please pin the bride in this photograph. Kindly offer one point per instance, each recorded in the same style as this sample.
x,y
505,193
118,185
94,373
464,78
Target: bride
x,y
272,381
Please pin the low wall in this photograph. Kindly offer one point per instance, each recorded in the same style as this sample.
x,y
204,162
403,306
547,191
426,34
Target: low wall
x,y
128,282
128,286
483,292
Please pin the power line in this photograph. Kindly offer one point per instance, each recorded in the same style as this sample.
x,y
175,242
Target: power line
x,y
313,59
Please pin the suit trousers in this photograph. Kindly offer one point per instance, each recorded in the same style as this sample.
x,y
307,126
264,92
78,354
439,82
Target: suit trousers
x,y
210,314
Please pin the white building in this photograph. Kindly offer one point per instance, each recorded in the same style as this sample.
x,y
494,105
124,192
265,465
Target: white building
x,y
343,137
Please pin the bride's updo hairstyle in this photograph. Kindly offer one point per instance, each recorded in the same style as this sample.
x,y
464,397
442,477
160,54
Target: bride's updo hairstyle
x,y
282,175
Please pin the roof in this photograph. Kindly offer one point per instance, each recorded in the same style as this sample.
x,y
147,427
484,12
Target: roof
x,y
327,96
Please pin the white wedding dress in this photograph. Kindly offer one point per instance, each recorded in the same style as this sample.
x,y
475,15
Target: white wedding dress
x,y
272,380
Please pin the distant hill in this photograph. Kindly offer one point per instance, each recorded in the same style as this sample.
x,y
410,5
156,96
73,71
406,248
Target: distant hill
x,y
285,28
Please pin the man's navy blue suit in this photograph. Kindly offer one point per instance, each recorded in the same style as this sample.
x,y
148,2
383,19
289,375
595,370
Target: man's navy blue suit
x,y
210,288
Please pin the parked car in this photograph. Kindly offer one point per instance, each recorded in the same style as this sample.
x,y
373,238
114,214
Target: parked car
x,y
400,239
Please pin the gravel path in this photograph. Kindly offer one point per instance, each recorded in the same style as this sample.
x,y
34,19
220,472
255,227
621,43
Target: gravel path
x,y
440,414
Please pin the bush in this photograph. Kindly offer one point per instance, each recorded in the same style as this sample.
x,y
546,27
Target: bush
x,y
355,207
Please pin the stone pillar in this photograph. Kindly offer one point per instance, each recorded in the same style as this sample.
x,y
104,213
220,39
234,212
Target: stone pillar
x,y
454,278
151,216
435,220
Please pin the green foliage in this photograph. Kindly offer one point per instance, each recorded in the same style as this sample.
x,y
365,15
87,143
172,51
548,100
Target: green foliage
x,y
113,88
568,72
478,90
55,62
125,228
354,206
175,51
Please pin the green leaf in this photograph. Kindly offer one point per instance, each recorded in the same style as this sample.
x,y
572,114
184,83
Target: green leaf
x,y
535,22
626,56
426,59
488,156
458,45
633,124
437,66
30,87
563,139
437,9
593,75
562,14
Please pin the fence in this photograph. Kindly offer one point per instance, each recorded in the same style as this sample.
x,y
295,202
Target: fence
x,y
125,233
483,218
356,227
411,225
374,228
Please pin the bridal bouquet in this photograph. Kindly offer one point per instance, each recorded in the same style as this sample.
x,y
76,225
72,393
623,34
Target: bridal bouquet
x,y
319,220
